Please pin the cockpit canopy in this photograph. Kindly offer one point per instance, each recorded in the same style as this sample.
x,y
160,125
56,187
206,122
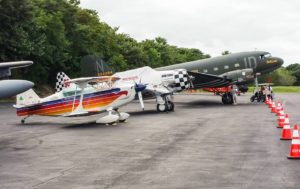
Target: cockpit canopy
x,y
264,56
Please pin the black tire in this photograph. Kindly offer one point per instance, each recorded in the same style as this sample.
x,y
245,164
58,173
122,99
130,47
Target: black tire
x,y
171,106
224,101
22,121
227,98
161,108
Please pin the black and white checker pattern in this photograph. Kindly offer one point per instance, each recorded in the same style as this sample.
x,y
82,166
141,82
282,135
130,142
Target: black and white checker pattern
x,y
61,81
181,80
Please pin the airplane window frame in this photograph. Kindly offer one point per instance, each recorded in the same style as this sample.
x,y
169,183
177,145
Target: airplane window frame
x,y
268,55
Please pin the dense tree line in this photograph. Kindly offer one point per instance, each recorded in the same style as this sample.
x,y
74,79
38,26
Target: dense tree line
x,y
284,76
56,34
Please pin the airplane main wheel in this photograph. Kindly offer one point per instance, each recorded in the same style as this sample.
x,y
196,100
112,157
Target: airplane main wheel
x,y
122,121
161,107
112,123
227,99
171,106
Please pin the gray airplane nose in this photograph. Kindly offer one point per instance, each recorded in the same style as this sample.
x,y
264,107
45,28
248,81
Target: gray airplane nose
x,y
10,88
27,85
280,61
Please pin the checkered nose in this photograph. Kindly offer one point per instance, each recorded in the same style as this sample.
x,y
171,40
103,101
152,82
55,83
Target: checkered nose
x,y
181,78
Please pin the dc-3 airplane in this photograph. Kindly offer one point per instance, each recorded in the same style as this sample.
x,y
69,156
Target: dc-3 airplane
x,y
241,68
237,68
81,97
12,87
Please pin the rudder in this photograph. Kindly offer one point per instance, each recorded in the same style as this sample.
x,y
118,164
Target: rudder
x,y
61,81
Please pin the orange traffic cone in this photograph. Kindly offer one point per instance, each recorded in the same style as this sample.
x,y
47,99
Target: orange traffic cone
x,y
270,104
295,145
286,121
267,101
278,108
273,109
280,118
286,133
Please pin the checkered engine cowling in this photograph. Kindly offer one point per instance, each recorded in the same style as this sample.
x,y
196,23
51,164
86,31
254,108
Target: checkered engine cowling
x,y
181,80
61,81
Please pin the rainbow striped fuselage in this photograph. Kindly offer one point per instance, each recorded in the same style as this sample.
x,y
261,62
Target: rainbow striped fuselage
x,y
91,102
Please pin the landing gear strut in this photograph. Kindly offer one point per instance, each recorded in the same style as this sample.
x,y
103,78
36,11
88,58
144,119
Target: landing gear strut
x,y
227,98
165,105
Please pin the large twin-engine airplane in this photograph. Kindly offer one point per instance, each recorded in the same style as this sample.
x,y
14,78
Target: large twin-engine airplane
x,y
242,68
13,87
81,97
162,84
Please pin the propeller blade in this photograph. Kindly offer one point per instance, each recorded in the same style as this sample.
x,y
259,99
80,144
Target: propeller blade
x,y
141,99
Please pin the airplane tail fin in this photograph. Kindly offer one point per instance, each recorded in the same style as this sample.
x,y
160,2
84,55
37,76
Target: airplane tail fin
x,y
28,97
61,81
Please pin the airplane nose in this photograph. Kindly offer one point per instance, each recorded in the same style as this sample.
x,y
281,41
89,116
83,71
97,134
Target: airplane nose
x,y
139,87
10,88
279,61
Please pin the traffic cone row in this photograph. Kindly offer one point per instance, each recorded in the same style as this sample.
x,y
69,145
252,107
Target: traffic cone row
x,y
284,123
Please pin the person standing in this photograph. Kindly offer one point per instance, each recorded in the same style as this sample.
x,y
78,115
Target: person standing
x,y
233,91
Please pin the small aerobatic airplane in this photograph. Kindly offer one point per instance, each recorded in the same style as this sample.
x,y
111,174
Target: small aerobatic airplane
x,y
162,84
9,88
242,68
81,97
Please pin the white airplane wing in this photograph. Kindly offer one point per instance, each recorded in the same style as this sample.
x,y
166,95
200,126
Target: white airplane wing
x,y
93,79
5,67
147,76
17,64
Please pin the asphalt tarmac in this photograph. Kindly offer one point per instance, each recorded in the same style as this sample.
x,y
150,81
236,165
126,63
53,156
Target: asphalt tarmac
x,y
203,144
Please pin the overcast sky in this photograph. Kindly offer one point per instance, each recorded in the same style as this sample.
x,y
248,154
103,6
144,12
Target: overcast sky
x,y
212,26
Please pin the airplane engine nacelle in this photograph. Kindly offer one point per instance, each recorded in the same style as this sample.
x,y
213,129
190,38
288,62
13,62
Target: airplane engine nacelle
x,y
241,76
181,80
178,80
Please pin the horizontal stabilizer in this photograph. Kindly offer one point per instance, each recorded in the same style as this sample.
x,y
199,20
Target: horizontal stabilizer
x,y
28,97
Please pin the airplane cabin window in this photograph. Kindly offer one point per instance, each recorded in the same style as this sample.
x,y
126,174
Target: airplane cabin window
x,y
268,55
216,68
226,67
71,93
205,70
262,57
237,65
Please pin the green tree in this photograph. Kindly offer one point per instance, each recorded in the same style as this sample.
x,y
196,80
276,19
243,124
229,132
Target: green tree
x,y
280,77
226,52
56,34
294,69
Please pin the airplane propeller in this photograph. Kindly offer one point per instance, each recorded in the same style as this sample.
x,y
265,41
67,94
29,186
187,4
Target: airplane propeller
x,y
139,88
